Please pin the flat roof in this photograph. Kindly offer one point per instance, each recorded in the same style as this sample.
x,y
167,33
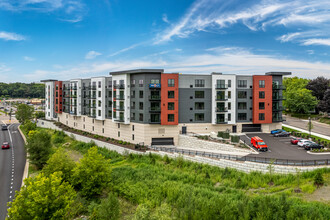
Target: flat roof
x,y
48,80
278,73
138,71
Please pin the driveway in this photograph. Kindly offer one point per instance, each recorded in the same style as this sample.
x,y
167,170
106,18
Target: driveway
x,y
281,148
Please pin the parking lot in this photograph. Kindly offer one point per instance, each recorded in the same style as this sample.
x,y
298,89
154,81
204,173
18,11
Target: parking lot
x,y
281,148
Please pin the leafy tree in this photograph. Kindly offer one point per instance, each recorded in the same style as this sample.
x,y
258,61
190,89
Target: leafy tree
x,y
24,113
42,197
300,101
29,126
39,114
324,104
22,90
38,148
92,174
60,161
318,86
108,209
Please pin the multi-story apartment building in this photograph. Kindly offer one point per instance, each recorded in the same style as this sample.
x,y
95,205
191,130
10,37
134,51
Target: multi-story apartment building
x,y
152,107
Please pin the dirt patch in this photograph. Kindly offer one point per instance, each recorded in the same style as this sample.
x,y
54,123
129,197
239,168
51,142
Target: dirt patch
x,y
321,194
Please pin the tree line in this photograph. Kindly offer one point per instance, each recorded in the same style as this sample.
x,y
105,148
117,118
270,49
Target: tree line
x,y
22,90
305,96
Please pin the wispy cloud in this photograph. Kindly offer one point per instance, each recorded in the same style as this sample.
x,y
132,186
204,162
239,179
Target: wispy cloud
x,y
11,36
26,58
126,49
66,10
317,41
204,15
92,54
165,19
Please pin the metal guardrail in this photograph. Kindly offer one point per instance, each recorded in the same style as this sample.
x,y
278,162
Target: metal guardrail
x,y
244,158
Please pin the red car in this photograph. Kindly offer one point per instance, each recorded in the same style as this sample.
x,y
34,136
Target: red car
x,y
295,140
5,145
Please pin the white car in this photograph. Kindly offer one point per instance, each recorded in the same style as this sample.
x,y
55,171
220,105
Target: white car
x,y
303,142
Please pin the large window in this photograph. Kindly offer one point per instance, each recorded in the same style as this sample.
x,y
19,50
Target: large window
x,y
170,106
261,95
170,82
242,83
141,94
261,116
220,84
170,117
242,105
154,81
141,105
199,105
241,116
199,94
229,94
242,94
171,94
229,83
199,117
140,117
199,83
261,83
261,105
141,83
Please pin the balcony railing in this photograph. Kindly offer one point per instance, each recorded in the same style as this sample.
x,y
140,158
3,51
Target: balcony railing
x,y
154,97
221,98
120,97
278,119
221,121
92,106
74,104
73,112
154,121
221,109
93,97
278,98
278,108
154,109
120,119
119,86
92,115
279,87
93,87
74,88
86,96
221,86
120,108
154,86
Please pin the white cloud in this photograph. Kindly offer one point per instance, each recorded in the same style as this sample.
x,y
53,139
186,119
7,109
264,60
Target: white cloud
x,y
288,37
92,54
11,36
4,68
126,49
26,58
317,41
165,19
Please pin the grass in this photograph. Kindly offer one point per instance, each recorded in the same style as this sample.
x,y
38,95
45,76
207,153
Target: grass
x,y
325,120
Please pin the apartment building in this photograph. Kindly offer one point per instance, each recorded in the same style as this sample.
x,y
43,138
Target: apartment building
x,y
152,107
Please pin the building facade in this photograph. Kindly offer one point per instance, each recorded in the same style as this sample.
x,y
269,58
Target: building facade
x,y
152,107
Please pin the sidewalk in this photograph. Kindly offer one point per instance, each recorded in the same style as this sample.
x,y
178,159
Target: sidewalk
x,y
302,130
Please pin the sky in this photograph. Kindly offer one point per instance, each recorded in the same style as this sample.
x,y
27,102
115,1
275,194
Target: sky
x,y
66,39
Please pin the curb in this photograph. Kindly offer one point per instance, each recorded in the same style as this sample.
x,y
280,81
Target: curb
x,y
26,168
321,153
302,130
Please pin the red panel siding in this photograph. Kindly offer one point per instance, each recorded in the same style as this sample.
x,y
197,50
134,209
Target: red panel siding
x,y
165,100
267,100
58,97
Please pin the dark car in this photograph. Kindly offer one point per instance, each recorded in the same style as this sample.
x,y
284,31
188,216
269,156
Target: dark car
x,y
5,145
282,134
4,127
276,131
310,146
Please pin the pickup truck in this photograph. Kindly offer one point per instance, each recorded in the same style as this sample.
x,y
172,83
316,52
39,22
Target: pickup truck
x,y
258,143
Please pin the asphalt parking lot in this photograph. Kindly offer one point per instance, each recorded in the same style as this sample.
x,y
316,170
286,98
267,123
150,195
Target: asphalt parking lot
x,y
281,148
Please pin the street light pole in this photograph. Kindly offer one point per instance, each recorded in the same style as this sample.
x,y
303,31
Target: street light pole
x,y
310,126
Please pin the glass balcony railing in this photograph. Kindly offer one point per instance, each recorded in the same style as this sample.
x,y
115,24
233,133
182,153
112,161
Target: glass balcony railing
x,y
221,98
221,121
278,98
279,87
120,97
221,109
221,86
278,108
154,97
154,109
154,121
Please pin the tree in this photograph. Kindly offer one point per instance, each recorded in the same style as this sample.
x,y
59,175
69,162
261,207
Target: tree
x,y
318,179
92,174
108,209
39,114
38,148
29,126
310,126
324,104
60,161
300,101
24,113
42,197
318,86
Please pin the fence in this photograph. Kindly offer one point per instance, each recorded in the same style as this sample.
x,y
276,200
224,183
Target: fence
x,y
243,158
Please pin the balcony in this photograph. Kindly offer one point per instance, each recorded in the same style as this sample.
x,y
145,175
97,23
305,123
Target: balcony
x,y
154,97
73,112
278,119
120,97
119,86
74,104
278,98
66,96
66,88
86,88
221,86
154,121
276,87
154,86
154,109
86,96
121,119
221,109
92,115
93,87
74,96
221,98
222,121
74,88
120,108
66,111
278,108
86,113
93,97
92,106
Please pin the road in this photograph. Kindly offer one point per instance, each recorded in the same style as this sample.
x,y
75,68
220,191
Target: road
x,y
12,162
281,148
318,127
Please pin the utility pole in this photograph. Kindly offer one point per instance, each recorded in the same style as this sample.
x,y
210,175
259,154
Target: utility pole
x,y
310,126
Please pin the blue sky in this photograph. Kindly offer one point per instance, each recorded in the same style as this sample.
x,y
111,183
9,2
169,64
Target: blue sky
x,y
66,39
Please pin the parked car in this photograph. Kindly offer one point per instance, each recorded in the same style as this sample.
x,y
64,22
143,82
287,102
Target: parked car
x,y
4,127
258,143
276,131
303,142
282,134
295,140
5,145
310,146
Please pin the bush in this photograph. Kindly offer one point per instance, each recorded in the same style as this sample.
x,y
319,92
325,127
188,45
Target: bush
x,y
234,139
29,126
108,209
318,179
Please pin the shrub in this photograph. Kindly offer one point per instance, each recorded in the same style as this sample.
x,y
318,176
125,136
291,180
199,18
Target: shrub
x,y
107,209
29,126
318,179
234,139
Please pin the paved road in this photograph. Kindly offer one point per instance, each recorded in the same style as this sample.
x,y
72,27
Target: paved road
x,y
12,162
281,148
318,127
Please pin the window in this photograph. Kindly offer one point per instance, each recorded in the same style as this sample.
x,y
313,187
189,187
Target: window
x,y
100,103
229,94
132,127
199,83
199,94
110,94
133,105
242,94
140,117
141,82
118,125
261,105
141,94
141,105
154,81
99,84
171,94
133,117
170,106
199,117
170,82
199,105
109,103
242,83
229,105
242,105
133,94
133,83
133,137
170,117
241,116
261,83
99,94
261,95
261,116
229,117
221,84
229,83
118,133
100,113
